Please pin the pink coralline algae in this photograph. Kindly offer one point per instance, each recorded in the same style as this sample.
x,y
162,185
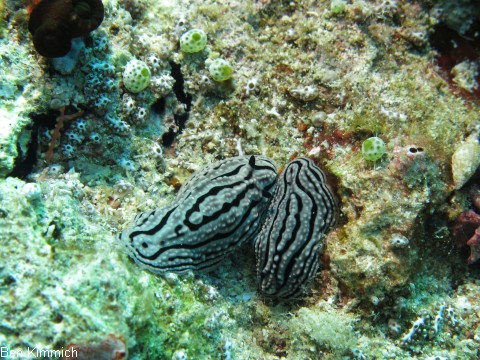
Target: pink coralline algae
x,y
111,348
466,231
404,156
474,244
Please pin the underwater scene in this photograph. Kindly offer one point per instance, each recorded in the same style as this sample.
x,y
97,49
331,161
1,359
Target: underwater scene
x,y
251,180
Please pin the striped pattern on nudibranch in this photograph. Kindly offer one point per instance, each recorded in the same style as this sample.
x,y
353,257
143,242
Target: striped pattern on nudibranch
x,y
219,208
288,247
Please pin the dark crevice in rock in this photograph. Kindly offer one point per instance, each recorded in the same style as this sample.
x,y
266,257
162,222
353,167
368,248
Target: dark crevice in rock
x,y
28,153
180,119
452,49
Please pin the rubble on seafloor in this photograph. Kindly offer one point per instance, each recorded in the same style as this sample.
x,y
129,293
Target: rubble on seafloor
x,y
86,145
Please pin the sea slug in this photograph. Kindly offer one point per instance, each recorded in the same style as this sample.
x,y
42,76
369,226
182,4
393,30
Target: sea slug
x,y
288,247
219,208
234,201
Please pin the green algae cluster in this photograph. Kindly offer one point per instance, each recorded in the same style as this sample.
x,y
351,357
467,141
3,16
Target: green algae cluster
x,y
193,41
373,148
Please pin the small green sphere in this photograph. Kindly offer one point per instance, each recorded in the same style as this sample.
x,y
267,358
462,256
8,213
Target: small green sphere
x,y
136,76
337,6
220,70
193,41
373,148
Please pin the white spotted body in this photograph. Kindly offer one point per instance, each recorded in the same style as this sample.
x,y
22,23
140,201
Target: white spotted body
x,y
219,208
288,246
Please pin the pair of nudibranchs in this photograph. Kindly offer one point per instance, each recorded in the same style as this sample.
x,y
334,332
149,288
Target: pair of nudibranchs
x,y
234,201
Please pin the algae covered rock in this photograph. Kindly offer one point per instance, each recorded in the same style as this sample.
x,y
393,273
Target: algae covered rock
x,y
20,91
66,281
8,146
326,329
465,160
312,79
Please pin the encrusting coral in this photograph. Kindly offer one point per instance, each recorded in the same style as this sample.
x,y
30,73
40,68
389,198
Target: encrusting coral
x,y
59,123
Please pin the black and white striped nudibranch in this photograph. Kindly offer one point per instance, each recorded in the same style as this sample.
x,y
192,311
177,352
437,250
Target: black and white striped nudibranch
x,y
220,207
288,247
